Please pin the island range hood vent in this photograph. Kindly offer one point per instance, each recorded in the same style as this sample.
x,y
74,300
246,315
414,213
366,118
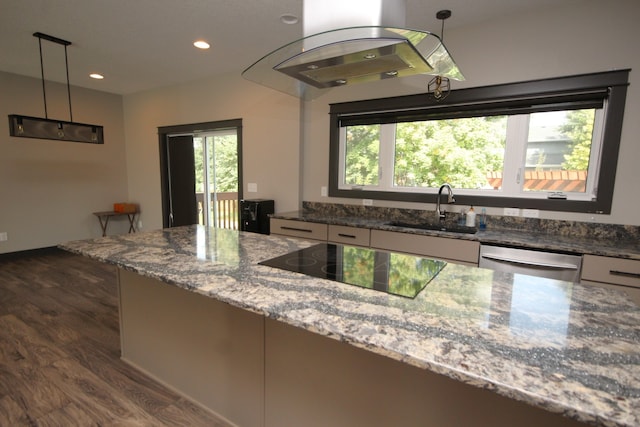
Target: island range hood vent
x,y
61,130
335,57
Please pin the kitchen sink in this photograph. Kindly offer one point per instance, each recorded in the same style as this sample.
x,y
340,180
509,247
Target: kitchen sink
x,y
437,227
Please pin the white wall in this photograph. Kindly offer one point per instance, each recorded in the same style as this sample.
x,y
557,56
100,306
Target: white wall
x,y
271,137
570,38
49,189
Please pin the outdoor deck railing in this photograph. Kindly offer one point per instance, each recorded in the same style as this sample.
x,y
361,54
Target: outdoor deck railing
x,y
550,180
227,209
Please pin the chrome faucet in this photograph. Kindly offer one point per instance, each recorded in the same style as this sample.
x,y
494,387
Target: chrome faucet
x,y
450,199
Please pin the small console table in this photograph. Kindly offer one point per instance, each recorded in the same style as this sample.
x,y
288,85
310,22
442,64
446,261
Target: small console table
x,y
104,217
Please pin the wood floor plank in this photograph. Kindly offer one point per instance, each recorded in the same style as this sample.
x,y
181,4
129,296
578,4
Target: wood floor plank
x,y
21,344
11,414
36,394
35,296
137,387
97,399
7,380
8,299
187,414
104,330
60,351
69,415
50,324
89,305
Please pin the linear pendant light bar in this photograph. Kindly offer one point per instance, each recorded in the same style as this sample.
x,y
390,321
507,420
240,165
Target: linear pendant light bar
x,y
33,127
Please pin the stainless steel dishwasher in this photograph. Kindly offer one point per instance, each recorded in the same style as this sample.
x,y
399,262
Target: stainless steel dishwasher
x,y
552,265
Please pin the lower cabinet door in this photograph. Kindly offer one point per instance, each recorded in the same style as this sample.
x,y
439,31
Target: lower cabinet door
x,y
303,229
209,351
617,273
316,381
456,250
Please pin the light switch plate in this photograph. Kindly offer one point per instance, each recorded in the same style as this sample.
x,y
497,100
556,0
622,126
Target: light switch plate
x,y
3,236
252,187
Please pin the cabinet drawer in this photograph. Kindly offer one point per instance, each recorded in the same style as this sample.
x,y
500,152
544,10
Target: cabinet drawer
x,y
306,230
632,293
349,235
618,271
464,251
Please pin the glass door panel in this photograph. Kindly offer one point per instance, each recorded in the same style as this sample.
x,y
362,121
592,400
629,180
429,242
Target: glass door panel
x,y
216,170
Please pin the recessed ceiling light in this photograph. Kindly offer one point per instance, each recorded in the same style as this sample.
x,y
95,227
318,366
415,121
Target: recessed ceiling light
x,y
289,19
96,76
201,44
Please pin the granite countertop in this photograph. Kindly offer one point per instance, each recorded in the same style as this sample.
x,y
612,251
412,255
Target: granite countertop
x,y
593,245
563,347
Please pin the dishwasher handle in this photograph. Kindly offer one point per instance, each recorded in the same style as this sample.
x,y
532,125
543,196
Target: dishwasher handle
x,y
511,260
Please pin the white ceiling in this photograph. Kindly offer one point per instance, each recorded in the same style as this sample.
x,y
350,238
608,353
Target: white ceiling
x,y
145,44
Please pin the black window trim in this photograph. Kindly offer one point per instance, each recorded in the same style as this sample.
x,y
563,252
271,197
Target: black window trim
x,y
534,95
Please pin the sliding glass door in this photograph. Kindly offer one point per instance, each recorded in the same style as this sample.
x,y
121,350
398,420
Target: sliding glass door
x,y
201,173
216,176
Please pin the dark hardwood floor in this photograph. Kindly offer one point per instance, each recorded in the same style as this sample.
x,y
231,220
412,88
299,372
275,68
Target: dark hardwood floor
x,y
60,349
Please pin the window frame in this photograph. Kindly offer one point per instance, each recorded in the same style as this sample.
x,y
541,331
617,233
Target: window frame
x,y
520,97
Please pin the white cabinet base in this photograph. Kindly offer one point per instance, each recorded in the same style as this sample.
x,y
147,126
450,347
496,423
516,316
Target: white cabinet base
x,y
314,381
258,372
632,292
457,250
204,349
302,229
349,235
614,273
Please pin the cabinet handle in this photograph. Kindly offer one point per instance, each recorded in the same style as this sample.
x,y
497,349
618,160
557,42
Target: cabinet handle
x,y
624,273
532,263
350,236
306,230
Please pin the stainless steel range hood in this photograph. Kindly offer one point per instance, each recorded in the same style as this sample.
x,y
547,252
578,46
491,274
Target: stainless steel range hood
x,y
307,67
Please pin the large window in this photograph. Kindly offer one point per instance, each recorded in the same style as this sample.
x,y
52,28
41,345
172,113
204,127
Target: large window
x,y
549,144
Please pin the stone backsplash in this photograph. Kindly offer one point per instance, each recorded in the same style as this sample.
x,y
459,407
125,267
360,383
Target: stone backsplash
x,y
493,222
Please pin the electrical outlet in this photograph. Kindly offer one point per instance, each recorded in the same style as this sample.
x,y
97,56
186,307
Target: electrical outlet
x,y
367,202
4,237
323,191
511,212
531,213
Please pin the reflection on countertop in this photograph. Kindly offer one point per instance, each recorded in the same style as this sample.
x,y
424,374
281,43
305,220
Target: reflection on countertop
x,y
559,346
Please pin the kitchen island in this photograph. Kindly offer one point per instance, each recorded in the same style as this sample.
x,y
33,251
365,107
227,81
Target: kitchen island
x,y
266,347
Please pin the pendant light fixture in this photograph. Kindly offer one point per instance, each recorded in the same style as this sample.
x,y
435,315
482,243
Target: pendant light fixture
x,y
34,127
440,86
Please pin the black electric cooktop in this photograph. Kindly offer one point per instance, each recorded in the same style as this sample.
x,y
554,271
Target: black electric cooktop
x,y
398,274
